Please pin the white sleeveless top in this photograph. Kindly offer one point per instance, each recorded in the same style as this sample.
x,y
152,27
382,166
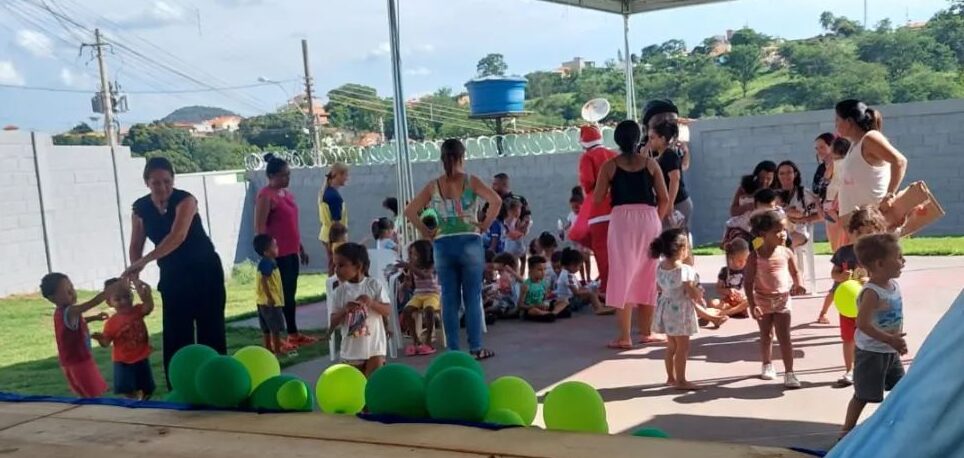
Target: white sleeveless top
x,y
836,181
863,184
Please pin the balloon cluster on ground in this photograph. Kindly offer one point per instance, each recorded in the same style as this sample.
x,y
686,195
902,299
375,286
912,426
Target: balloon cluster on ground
x,y
251,378
453,389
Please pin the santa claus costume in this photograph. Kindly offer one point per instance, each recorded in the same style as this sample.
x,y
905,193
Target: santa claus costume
x,y
592,224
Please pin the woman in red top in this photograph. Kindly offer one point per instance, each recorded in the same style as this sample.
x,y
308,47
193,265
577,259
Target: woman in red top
x,y
276,214
590,163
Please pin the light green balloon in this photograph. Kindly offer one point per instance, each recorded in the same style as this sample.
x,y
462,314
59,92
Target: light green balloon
x,y
260,363
341,390
293,395
504,417
575,406
515,394
845,298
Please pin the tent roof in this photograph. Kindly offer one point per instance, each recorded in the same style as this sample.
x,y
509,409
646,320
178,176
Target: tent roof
x,y
631,6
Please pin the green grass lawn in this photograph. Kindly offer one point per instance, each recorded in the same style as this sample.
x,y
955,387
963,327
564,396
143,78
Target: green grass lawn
x,y
914,246
28,356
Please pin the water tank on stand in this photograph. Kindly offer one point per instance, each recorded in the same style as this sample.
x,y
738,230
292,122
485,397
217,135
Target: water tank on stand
x,y
497,98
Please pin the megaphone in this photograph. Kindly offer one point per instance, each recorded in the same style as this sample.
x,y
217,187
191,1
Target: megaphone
x,y
595,110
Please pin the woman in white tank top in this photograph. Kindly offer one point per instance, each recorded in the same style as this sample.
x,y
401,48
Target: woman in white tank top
x,y
873,170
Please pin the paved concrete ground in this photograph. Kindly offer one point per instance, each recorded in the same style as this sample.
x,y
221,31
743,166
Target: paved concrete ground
x,y
735,405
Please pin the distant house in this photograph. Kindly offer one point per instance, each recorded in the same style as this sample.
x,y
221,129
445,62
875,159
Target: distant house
x,y
574,66
298,103
368,139
228,123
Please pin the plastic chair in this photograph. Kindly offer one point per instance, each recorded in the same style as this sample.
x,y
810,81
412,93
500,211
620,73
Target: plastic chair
x,y
329,291
806,262
381,260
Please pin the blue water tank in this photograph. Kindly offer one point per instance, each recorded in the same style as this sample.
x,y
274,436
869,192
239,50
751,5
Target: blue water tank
x,y
496,94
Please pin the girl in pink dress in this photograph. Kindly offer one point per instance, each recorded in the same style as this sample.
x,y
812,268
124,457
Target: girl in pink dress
x,y
771,278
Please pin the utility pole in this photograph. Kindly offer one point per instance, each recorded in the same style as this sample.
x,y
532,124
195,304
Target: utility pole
x,y
312,128
865,14
108,107
381,126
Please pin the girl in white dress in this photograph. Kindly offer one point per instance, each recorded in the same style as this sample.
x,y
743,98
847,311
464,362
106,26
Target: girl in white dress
x,y
680,301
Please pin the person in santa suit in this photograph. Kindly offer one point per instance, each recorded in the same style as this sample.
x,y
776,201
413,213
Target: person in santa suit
x,y
595,216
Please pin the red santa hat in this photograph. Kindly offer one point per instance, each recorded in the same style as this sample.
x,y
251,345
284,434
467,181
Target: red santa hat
x,y
590,136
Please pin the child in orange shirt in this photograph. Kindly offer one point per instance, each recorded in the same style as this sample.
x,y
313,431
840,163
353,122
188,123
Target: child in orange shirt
x,y
126,329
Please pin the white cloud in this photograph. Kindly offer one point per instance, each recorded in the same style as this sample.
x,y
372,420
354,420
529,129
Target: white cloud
x,y
426,48
35,43
67,77
159,14
9,74
418,71
383,49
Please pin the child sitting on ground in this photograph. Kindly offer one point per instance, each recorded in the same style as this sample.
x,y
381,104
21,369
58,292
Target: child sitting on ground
x,y
680,301
569,292
504,303
880,324
729,283
534,302
865,220
127,331
771,278
358,307
490,286
765,199
383,231
426,299
73,338
270,299
545,246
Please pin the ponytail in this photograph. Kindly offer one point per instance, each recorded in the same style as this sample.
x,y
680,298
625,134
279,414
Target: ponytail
x,y
452,152
866,118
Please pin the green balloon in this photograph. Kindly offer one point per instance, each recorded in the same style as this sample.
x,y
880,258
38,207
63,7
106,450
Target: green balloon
x,y
265,396
292,395
504,417
223,381
575,406
396,389
452,359
651,432
459,394
175,397
260,363
341,390
515,394
845,298
182,370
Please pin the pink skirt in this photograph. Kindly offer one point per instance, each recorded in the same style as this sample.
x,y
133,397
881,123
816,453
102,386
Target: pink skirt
x,y
632,272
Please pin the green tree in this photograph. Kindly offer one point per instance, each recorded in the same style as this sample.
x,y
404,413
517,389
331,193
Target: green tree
x,y
286,129
182,162
81,129
922,83
745,63
491,65
845,27
884,26
216,153
822,58
155,136
947,27
705,91
749,37
356,108
826,20
899,51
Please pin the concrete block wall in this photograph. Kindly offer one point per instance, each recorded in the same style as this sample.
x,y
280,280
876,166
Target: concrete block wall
x,y
21,236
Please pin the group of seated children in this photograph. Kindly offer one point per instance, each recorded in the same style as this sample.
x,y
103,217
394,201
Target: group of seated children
x,y
125,330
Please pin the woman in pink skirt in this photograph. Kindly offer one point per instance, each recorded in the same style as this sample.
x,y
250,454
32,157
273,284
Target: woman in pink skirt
x,y
640,202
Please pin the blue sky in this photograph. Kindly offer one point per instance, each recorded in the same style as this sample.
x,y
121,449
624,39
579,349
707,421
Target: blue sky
x,y
233,42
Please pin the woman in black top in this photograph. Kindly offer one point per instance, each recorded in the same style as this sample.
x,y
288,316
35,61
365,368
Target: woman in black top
x,y
661,137
192,279
640,201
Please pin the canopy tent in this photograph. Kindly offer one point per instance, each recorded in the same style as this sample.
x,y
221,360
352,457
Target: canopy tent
x,y
624,7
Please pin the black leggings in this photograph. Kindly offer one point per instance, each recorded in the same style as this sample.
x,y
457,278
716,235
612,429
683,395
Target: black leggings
x,y
288,267
193,311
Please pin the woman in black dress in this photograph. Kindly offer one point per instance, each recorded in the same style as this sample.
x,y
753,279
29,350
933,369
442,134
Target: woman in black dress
x,y
192,279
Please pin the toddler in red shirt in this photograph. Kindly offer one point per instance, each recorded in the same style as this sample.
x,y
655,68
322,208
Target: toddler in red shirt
x,y
127,331
73,338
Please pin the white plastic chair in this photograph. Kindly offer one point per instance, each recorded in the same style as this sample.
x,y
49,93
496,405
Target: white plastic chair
x,y
381,260
806,262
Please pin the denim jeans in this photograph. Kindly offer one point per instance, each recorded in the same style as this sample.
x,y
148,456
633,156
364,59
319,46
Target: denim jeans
x,y
460,261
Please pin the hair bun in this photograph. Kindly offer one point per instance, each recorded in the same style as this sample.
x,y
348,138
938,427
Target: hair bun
x,y
268,156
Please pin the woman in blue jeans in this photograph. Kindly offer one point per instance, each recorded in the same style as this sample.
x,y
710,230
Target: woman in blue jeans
x,y
456,197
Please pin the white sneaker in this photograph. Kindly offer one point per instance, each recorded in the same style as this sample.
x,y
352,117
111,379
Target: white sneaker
x,y
846,380
768,372
790,380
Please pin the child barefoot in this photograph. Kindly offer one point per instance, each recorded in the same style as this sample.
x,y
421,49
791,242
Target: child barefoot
x,y
771,278
680,301
357,308
729,283
270,300
127,331
567,289
426,300
533,296
880,321
864,221
73,338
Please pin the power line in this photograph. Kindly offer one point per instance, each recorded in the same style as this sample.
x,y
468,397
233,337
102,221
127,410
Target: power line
x,y
173,91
